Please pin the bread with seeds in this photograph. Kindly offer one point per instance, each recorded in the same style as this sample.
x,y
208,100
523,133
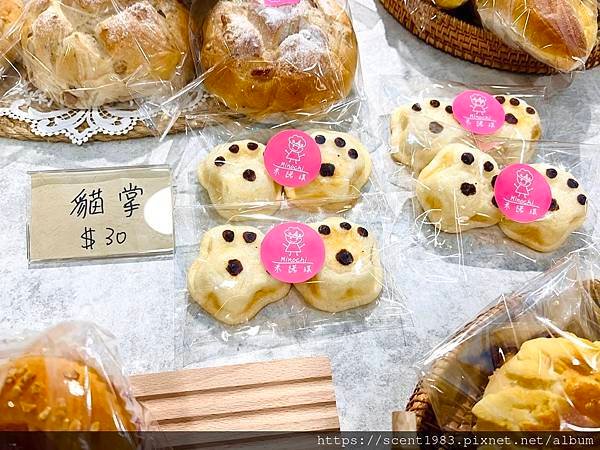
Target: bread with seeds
x,y
40,393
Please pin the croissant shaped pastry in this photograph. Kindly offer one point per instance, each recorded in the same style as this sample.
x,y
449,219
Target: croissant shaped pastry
x,y
560,33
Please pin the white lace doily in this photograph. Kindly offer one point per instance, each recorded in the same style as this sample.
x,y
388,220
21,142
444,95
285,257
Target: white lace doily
x,y
79,125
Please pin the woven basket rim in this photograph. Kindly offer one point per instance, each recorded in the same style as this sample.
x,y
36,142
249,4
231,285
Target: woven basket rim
x,y
468,41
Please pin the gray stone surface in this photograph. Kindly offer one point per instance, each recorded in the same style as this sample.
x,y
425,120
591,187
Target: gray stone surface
x,y
374,371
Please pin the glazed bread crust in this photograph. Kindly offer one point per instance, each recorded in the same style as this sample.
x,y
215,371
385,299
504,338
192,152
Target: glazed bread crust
x,y
56,394
560,33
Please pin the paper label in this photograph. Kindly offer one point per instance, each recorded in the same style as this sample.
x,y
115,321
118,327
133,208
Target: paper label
x,y
281,2
292,158
89,214
292,252
522,193
478,112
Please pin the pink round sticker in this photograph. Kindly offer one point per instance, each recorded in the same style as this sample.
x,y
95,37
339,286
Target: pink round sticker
x,y
478,112
292,158
522,193
292,252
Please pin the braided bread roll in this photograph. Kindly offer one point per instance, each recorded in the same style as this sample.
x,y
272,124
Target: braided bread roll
x,y
274,59
85,53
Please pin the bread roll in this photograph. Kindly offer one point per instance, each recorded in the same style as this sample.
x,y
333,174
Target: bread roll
x,y
55,394
85,53
10,11
551,384
273,59
560,33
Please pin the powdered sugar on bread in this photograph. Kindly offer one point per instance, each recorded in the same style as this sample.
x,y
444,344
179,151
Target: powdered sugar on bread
x,y
304,50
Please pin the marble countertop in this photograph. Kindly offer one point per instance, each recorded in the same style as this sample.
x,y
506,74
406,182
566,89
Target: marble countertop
x,y
374,371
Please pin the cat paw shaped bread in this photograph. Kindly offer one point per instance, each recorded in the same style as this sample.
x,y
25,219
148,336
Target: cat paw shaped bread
x,y
456,189
551,384
345,169
352,275
420,130
228,279
87,53
259,58
560,33
567,213
235,177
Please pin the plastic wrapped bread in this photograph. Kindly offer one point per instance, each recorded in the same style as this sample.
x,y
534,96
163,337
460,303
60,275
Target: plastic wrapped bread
x,y
67,379
560,33
89,53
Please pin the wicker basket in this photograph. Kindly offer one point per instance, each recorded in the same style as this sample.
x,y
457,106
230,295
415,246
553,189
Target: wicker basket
x,y
420,404
466,41
419,407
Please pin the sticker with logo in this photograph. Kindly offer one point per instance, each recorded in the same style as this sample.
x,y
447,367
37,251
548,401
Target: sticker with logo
x,y
292,252
281,2
522,193
478,112
292,158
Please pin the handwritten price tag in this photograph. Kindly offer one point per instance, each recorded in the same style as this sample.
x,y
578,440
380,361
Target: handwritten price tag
x,y
100,213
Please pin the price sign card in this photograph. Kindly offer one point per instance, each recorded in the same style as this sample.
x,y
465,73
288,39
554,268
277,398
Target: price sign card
x,y
100,213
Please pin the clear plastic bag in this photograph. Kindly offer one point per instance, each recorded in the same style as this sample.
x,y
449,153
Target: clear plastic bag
x,y
67,379
528,362
225,166
421,119
86,54
276,62
218,266
259,57
561,35
471,237
449,205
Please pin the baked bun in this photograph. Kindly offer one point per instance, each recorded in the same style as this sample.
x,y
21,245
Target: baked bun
x,y
456,189
10,11
228,278
345,169
84,53
352,274
560,33
551,384
274,59
56,394
567,213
